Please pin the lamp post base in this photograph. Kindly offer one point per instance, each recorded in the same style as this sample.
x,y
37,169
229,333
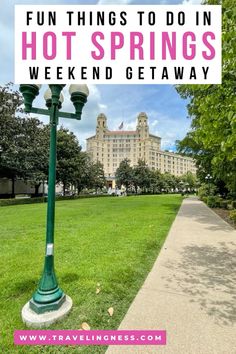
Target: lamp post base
x,y
34,320
41,307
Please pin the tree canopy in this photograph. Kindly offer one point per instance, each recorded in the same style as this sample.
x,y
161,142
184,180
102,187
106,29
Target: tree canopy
x,y
142,177
212,108
24,150
124,174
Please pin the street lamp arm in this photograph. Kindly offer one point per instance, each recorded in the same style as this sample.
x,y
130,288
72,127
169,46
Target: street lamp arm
x,y
46,112
42,111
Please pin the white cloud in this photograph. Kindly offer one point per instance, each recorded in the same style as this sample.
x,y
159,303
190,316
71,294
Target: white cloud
x,y
168,127
164,2
154,124
103,107
113,2
165,111
192,2
119,103
86,127
130,126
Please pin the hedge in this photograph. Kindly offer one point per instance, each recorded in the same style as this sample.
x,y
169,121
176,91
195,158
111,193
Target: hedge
x,y
217,202
233,204
204,199
232,216
19,201
213,201
224,204
6,202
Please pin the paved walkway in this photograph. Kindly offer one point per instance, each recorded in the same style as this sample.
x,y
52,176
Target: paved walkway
x,y
191,290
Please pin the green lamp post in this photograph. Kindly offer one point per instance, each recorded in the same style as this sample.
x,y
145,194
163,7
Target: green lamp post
x,y
208,179
49,297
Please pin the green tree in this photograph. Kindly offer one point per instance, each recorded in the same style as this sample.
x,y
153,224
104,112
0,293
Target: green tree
x,y
35,152
124,174
11,135
212,139
24,142
169,182
189,180
68,155
156,182
141,176
97,178
83,172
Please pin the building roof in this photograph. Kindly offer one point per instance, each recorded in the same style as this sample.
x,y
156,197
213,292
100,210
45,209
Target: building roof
x,y
124,132
115,132
91,137
154,136
172,153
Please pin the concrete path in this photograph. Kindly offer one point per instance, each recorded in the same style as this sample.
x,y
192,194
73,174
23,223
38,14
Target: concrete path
x,y
191,290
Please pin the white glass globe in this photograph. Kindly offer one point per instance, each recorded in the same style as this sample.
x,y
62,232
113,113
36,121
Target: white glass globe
x,y
48,95
79,88
61,99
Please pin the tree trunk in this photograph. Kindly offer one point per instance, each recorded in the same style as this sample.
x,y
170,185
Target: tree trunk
x,y
13,187
79,189
43,188
36,191
64,189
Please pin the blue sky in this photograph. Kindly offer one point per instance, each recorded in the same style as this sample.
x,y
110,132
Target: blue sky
x,y
121,103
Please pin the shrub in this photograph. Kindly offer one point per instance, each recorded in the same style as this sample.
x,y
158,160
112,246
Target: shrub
x,y
224,204
81,196
232,215
206,190
204,199
202,191
233,204
213,201
6,202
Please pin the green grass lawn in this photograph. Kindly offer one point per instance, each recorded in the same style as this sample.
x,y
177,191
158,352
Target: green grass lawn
x,y
111,241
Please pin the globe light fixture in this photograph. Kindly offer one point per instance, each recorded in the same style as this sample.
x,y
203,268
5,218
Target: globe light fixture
x,y
79,94
48,98
208,179
49,302
29,93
